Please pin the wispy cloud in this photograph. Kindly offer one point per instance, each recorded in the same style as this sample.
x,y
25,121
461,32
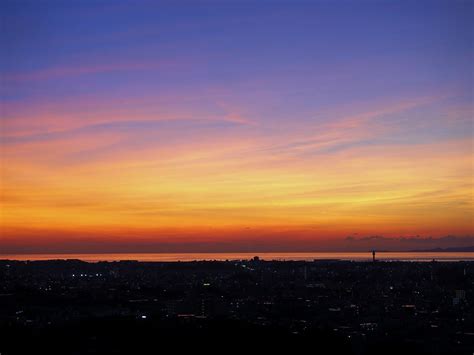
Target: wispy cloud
x,y
336,132
58,72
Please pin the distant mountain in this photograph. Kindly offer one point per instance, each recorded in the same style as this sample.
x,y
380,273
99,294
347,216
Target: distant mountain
x,y
447,250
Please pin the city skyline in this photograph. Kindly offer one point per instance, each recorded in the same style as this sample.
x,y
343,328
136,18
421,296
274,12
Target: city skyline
x,y
273,125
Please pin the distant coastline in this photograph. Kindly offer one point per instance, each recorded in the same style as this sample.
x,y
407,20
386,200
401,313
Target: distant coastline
x,y
446,250
175,257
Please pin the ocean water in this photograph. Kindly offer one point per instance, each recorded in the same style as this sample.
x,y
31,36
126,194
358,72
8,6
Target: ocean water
x,y
355,256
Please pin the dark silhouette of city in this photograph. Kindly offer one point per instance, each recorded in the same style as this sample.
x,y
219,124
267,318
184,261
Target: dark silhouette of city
x,y
324,306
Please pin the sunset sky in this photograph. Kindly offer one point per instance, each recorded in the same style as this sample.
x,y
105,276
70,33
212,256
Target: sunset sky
x,y
232,125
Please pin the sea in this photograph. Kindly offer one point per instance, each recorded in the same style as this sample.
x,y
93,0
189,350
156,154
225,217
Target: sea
x,y
309,256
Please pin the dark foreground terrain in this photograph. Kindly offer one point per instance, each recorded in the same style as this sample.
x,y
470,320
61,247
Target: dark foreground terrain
x,y
73,307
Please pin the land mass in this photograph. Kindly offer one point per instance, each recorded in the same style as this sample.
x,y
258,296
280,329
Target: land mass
x,y
128,307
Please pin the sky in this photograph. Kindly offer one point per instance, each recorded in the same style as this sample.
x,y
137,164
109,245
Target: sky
x,y
234,125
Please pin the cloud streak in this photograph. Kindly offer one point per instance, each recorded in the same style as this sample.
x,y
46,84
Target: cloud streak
x,y
59,72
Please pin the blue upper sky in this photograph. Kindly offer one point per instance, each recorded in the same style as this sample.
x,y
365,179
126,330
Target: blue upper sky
x,y
302,50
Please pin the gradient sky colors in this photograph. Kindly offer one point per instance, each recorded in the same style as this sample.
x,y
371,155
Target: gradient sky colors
x,y
232,125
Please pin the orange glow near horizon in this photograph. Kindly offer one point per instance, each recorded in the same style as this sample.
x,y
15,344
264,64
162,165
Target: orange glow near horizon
x,y
235,188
